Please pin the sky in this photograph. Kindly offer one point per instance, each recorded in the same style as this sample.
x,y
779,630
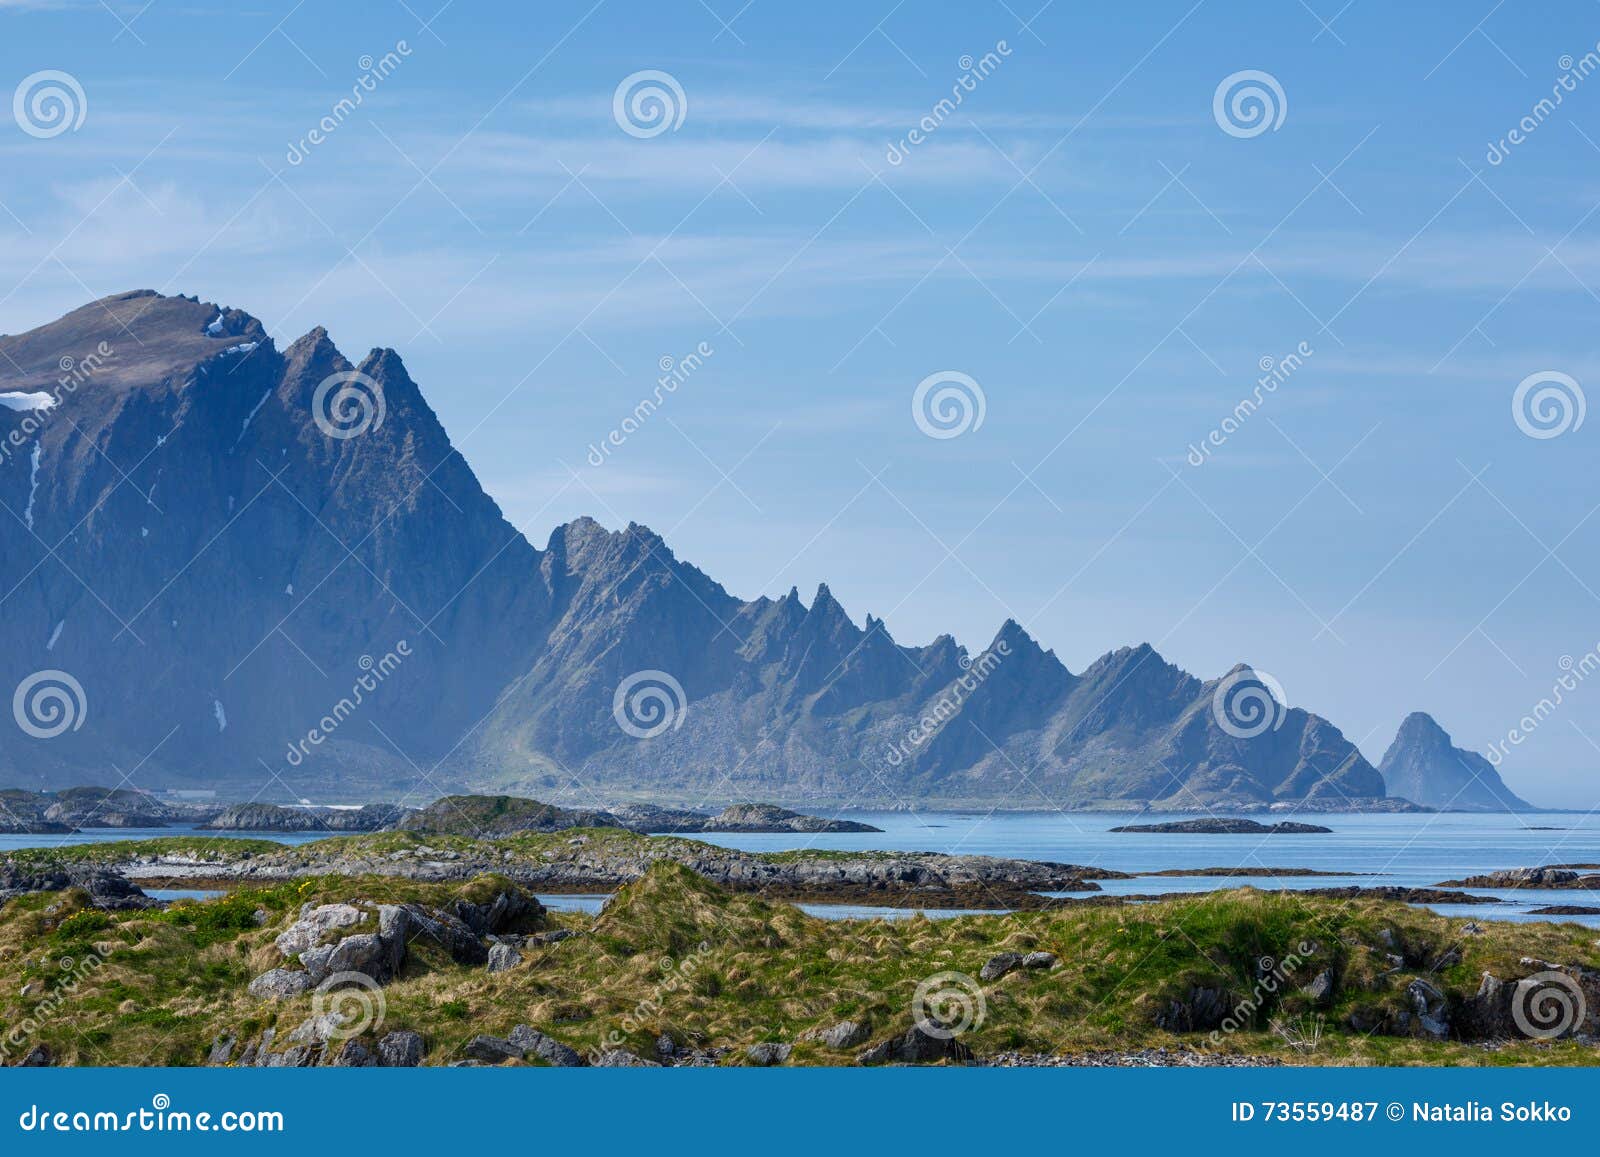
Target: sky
x,y
962,360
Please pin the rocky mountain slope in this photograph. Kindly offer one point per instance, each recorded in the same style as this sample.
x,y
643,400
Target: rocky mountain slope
x,y
1424,766
234,565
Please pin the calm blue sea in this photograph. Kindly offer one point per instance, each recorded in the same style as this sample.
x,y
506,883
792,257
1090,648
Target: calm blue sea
x,y
1415,850
1407,850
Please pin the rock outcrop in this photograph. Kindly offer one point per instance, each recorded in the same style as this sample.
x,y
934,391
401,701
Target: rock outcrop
x,y
359,941
1576,877
107,890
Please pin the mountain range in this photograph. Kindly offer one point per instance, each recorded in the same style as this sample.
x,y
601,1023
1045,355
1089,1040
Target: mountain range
x,y
270,573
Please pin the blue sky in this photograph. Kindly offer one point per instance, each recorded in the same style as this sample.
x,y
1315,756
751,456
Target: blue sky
x,y
1081,238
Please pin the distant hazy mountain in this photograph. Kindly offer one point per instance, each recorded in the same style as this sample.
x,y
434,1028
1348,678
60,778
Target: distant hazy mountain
x,y
246,597
1425,767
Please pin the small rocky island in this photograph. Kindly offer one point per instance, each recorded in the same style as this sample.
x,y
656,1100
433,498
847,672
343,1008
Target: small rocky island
x,y
501,815
24,812
739,817
1226,827
1576,877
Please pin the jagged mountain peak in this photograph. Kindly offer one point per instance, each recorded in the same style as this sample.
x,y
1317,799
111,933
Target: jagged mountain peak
x,y
125,340
315,340
1016,639
1421,725
587,544
253,557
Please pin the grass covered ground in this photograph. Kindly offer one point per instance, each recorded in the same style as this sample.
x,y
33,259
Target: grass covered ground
x,y
675,955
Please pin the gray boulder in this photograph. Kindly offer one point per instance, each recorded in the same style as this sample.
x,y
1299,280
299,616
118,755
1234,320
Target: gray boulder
x,y
450,932
492,1049
847,1034
402,1049
317,1030
623,1059
998,966
364,952
38,1058
314,922
255,1053
919,1045
394,922
1039,960
354,1055
279,984
1430,1008
1320,989
768,1053
503,957
534,1043
1487,1014
222,1048
505,910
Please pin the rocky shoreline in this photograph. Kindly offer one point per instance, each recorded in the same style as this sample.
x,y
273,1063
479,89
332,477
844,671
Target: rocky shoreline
x,y
599,861
1577,877
602,860
675,971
